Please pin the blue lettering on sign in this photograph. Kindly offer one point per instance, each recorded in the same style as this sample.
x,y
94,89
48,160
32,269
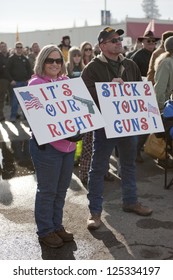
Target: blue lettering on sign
x,y
105,92
50,110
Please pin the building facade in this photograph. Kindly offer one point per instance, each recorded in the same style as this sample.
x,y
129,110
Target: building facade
x,y
133,28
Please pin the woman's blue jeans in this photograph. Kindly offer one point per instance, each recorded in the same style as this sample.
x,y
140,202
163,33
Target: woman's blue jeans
x,y
103,147
53,171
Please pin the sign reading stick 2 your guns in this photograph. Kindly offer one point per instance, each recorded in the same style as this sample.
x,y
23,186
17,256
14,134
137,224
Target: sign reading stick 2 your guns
x,y
129,109
59,110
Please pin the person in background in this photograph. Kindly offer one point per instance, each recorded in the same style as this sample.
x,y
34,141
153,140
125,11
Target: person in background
x,y
87,147
163,78
87,141
108,176
20,72
143,55
65,46
137,46
11,51
163,85
74,63
156,53
125,50
74,68
87,52
110,66
4,78
142,59
35,49
53,162
96,49
26,51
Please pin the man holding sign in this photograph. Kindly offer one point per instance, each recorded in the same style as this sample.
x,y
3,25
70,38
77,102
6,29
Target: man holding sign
x,y
111,66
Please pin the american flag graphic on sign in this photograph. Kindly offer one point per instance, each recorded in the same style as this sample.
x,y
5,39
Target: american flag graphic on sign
x,y
152,109
30,100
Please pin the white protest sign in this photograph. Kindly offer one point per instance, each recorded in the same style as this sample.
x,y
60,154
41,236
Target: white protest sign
x,y
59,110
129,109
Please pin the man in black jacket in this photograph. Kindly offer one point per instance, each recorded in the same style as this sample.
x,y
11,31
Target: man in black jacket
x,y
20,72
4,77
110,66
142,59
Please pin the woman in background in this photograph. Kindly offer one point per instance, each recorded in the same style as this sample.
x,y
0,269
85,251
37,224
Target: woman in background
x,y
74,67
87,146
85,159
74,63
164,74
87,52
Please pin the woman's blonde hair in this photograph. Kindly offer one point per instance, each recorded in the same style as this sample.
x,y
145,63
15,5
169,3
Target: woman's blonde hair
x,y
82,48
40,60
70,63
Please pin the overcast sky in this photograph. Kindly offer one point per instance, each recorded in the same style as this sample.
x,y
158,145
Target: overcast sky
x,y
41,15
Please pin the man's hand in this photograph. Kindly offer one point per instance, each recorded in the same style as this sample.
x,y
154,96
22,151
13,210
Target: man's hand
x,y
118,80
13,83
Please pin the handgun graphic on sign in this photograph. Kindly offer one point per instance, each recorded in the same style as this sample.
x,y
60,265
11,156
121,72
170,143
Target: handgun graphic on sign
x,y
88,103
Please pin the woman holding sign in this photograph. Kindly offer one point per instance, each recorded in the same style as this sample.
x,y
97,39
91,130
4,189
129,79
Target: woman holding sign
x,y
53,162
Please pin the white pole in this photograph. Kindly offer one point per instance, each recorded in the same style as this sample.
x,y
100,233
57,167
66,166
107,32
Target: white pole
x,y
105,20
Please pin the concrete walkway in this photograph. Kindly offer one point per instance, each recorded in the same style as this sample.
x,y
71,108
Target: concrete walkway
x,y
122,236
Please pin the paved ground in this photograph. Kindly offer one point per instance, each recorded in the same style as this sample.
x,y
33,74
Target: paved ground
x,y
122,236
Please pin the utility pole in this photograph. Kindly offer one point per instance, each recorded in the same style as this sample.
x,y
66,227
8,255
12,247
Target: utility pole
x,y
105,18
105,15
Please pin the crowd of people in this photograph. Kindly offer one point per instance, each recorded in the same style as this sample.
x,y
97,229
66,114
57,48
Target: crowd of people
x,y
105,61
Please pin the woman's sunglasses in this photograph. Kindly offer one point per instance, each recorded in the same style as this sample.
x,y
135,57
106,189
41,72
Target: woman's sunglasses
x,y
88,49
52,60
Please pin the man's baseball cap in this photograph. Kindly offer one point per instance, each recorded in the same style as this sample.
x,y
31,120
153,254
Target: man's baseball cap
x,y
107,33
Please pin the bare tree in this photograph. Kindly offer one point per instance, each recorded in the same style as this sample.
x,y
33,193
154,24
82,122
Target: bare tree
x,y
150,9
